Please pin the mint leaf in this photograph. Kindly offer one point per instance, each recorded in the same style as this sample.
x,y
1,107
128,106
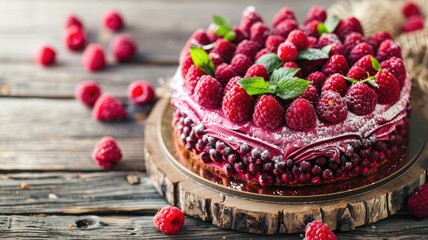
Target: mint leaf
x,y
326,49
202,60
270,61
254,85
375,64
282,73
322,28
329,25
312,54
224,28
292,88
351,80
372,82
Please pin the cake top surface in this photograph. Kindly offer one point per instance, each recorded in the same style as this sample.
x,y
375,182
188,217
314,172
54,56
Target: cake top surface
x,y
293,89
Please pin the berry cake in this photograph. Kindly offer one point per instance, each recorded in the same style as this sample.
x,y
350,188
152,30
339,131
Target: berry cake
x,y
289,104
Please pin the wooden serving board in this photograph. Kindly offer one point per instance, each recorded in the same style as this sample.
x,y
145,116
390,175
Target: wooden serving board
x,y
255,213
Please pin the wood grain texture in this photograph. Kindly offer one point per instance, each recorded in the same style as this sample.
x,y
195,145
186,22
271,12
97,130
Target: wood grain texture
x,y
213,203
48,135
141,226
77,193
29,80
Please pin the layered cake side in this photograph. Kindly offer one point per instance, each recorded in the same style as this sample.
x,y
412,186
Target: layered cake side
x,y
284,105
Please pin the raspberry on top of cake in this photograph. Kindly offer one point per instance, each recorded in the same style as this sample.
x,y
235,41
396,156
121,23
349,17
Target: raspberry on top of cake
x,y
309,103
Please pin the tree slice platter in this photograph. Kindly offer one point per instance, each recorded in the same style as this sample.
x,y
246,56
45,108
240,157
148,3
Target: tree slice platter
x,y
258,212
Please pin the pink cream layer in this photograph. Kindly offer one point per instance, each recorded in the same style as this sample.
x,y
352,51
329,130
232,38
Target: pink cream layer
x,y
323,140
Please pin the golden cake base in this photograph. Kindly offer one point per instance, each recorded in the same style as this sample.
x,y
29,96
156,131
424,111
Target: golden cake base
x,y
268,214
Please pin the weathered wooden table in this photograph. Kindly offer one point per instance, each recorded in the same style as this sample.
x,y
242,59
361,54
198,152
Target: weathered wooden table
x,y
46,137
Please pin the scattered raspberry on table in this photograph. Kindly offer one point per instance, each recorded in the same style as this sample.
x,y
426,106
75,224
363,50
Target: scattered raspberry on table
x,y
169,220
123,48
74,38
418,202
94,58
141,92
87,92
317,230
113,21
107,153
45,55
107,109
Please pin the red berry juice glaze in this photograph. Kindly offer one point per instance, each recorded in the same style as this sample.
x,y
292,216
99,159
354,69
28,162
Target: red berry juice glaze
x,y
326,153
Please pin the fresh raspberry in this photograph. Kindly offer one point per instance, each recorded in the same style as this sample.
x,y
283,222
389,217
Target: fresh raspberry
x,y
352,40
316,230
248,48
311,29
44,55
336,49
396,66
418,202
113,21
239,35
169,220
311,94
410,9
312,42
123,48
299,39
232,82
224,48
413,24
208,92
285,27
217,60
240,63
141,92
87,92
106,153
332,107
200,38
361,99
73,20
261,53
258,70
74,38
107,108
357,73
237,104
316,13
93,57
388,91
335,83
300,115
388,49
186,63
283,14
366,64
328,39
273,42
360,51
224,73
259,33
249,17
268,112
192,77
348,26
376,39
293,65
287,51
336,64
318,79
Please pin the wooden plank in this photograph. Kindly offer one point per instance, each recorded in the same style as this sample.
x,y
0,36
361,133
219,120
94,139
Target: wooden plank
x,y
141,227
77,193
160,27
46,135
29,80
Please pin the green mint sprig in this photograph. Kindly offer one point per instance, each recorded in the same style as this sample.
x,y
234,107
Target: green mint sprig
x,y
375,63
314,53
202,60
270,61
283,84
224,28
329,25
370,79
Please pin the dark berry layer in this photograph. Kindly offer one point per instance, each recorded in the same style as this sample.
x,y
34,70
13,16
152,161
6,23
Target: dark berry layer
x,y
260,167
